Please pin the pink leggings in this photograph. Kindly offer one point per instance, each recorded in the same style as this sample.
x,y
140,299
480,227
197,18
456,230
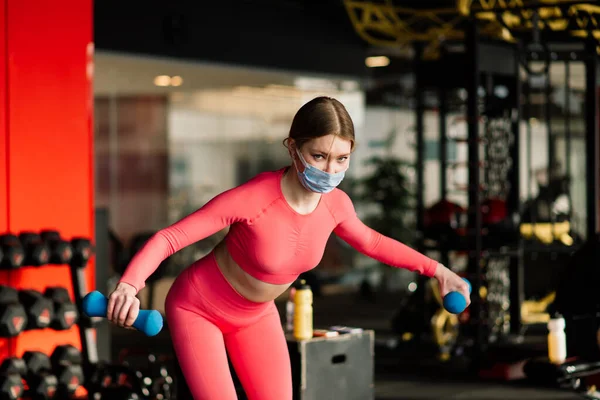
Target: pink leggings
x,y
208,320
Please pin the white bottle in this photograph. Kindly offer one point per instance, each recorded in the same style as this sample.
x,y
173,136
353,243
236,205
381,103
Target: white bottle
x,y
557,340
289,311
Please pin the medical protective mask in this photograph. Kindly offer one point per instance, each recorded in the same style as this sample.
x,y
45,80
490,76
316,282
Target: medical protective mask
x,y
318,181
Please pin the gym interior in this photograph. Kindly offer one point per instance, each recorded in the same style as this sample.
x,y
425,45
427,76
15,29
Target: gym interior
x,y
477,144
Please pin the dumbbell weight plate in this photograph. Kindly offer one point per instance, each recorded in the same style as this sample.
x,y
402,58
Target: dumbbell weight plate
x,y
12,252
119,393
61,251
42,385
11,387
39,309
13,318
37,252
65,354
66,364
12,370
69,378
13,365
65,313
82,251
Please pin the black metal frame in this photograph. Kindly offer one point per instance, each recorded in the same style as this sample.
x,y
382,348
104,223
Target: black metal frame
x,y
474,221
481,63
473,69
592,139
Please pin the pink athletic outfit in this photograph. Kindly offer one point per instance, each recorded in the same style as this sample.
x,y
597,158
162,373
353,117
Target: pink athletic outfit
x,y
209,320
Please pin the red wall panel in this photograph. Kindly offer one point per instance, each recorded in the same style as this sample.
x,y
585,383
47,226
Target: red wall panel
x,y
50,138
4,343
3,120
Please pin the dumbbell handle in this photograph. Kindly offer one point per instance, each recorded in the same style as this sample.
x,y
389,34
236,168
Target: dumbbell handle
x,y
148,321
454,302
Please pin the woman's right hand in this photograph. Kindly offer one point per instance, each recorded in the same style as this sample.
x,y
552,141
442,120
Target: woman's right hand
x,y
123,306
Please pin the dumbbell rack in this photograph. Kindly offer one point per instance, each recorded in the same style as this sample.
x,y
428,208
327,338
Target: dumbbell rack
x,y
35,255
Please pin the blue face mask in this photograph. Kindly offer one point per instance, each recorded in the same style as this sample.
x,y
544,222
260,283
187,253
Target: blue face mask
x,y
318,181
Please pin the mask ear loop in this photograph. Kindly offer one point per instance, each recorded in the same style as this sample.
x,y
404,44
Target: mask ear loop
x,y
300,159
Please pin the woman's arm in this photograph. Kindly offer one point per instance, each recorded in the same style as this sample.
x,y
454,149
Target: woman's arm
x,y
375,245
220,212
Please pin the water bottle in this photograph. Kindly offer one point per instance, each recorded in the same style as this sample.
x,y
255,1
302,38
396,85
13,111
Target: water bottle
x,y
303,312
557,340
289,311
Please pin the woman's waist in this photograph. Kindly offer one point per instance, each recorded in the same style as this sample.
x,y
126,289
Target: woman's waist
x,y
241,281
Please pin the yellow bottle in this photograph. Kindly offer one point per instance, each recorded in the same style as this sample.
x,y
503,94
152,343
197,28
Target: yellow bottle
x,y
303,312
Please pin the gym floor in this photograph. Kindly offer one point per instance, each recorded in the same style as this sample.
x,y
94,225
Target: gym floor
x,y
395,377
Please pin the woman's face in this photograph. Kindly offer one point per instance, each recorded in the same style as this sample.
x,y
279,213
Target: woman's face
x,y
329,153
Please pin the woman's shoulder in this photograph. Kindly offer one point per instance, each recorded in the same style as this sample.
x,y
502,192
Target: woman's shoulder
x,y
339,204
339,197
265,179
261,187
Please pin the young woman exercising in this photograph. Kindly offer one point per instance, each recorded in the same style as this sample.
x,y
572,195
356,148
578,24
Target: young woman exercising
x,y
280,221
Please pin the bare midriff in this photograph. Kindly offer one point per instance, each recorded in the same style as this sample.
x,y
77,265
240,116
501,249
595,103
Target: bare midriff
x,y
245,284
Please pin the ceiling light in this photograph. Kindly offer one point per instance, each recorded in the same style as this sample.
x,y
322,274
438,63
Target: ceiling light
x,y
176,80
377,61
162,80
311,83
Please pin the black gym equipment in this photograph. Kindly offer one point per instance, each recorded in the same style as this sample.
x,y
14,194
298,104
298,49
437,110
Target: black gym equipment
x,y
61,251
578,301
66,364
11,252
12,371
40,381
13,317
151,376
503,241
39,309
65,311
482,230
37,252
82,251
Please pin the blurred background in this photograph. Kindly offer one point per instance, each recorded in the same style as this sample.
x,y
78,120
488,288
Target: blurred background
x,y
477,144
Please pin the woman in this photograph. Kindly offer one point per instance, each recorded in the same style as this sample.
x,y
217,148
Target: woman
x,y
280,221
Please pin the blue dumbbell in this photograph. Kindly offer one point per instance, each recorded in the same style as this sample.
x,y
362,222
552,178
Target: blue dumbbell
x,y
455,302
148,321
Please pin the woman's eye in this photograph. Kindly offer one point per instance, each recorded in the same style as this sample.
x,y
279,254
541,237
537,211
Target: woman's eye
x,y
342,159
317,157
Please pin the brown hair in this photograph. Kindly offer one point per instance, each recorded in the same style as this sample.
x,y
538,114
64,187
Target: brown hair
x,y
321,116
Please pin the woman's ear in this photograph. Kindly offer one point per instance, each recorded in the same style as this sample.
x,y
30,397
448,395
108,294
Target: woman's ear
x,y
291,145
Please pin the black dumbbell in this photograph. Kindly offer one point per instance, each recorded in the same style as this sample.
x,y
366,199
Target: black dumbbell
x,y
98,376
130,381
13,317
12,371
37,252
65,311
39,309
158,378
61,251
82,252
12,255
66,365
41,383
119,393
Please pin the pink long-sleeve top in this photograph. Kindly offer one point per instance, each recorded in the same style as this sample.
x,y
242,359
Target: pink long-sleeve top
x,y
268,239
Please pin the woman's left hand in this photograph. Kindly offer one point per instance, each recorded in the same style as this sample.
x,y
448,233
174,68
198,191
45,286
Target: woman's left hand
x,y
451,282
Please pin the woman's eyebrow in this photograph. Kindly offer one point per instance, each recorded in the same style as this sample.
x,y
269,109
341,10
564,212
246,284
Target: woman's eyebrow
x,y
315,150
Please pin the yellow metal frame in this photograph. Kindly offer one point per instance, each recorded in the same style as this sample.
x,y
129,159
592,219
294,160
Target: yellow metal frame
x,y
384,24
